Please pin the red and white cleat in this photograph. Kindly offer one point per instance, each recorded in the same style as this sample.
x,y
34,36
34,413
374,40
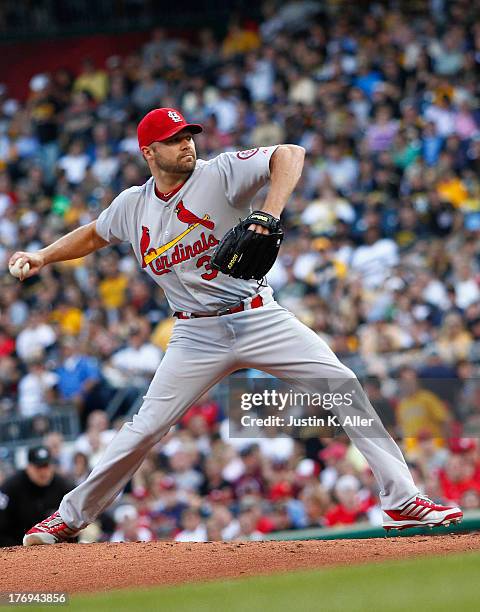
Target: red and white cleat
x,y
420,511
50,531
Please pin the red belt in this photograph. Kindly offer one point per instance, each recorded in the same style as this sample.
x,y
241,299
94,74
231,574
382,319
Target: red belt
x,y
256,302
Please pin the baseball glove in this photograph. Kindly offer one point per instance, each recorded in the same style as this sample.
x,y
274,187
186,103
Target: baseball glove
x,y
244,253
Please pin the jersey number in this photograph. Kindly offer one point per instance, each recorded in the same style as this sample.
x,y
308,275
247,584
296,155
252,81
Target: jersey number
x,y
210,274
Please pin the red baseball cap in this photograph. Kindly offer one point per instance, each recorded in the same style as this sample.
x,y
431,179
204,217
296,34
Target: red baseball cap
x,y
162,123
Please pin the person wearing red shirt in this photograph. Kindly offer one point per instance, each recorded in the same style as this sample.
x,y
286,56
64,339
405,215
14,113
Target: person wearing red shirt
x,y
457,478
7,344
205,407
351,507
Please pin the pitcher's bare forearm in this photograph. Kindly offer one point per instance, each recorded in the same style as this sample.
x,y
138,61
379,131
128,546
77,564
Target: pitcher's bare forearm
x,y
286,167
82,241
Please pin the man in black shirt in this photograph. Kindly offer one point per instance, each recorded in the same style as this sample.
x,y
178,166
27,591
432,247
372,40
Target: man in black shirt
x,y
29,496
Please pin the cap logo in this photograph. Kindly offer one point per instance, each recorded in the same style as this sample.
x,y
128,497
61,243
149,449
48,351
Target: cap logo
x,y
174,116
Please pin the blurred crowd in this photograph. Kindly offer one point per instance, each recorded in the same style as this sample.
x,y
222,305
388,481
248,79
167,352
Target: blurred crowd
x,y
45,16
200,485
381,256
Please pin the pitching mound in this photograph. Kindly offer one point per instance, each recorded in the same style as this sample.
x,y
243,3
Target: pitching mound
x,y
100,567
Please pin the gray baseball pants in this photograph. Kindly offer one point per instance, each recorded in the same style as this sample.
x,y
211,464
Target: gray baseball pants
x,y
201,352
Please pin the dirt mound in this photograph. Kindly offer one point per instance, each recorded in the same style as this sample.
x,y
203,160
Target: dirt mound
x,y
101,567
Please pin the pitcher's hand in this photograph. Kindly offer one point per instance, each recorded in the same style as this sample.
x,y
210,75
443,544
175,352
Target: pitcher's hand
x,y
35,261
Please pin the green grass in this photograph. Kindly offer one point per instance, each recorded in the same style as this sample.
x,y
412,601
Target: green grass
x,y
437,583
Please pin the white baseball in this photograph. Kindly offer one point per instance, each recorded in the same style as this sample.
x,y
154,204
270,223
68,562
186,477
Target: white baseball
x,y
19,268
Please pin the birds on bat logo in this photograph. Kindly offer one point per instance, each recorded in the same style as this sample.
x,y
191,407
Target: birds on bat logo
x,y
190,218
192,221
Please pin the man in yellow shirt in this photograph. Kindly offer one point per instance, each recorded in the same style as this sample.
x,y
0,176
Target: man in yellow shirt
x,y
113,287
420,411
239,40
95,82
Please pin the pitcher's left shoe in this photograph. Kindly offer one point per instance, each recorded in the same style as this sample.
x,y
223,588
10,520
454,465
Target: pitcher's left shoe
x,y
50,531
420,511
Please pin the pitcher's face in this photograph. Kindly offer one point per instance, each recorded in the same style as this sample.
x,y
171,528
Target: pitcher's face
x,y
176,155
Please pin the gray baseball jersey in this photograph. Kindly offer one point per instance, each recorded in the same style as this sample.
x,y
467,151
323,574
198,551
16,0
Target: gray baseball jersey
x,y
173,235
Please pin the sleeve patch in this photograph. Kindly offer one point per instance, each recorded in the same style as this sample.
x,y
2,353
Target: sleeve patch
x,y
247,154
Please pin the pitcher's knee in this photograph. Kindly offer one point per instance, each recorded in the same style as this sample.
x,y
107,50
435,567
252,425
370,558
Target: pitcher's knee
x,y
151,422
336,370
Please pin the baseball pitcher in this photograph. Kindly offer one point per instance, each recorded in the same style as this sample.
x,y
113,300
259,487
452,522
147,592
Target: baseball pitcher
x,y
183,226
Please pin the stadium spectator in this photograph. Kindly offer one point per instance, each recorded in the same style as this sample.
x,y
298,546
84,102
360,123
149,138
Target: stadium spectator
x,y
420,412
29,494
458,478
247,531
36,336
96,437
61,455
81,468
35,389
78,376
316,502
454,340
74,163
91,80
193,529
239,40
127,527
350,507
138,361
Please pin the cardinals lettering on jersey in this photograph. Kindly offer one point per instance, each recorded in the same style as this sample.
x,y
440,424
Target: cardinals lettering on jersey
x,y
160,263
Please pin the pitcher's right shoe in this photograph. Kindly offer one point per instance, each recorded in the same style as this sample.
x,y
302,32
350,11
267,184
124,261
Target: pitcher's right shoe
x,y
50,531
420,511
